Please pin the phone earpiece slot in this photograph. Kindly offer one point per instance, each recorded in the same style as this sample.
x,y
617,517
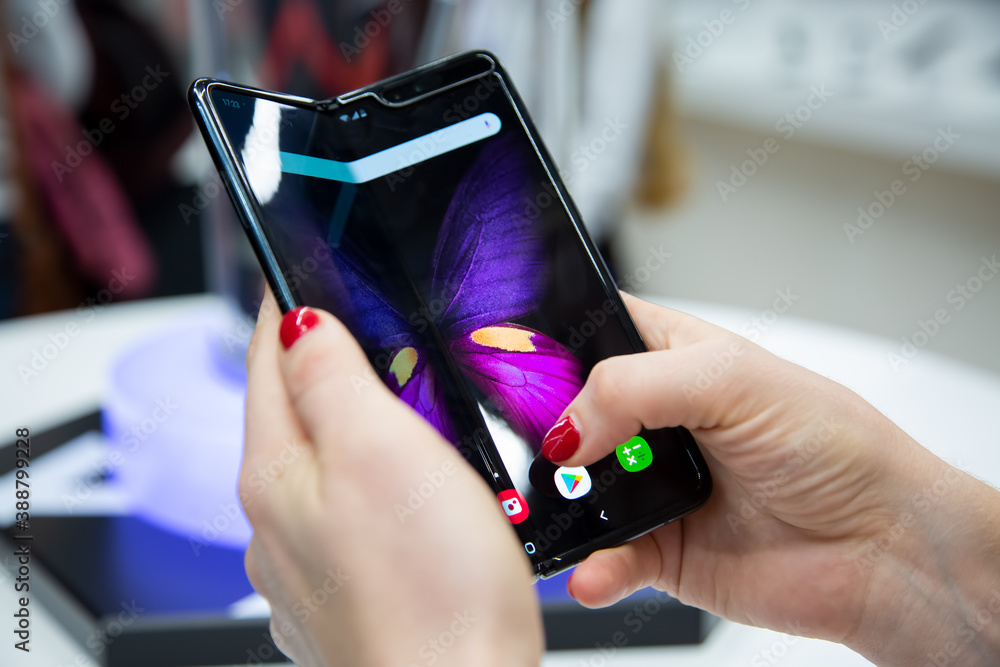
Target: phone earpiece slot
x,y
427,80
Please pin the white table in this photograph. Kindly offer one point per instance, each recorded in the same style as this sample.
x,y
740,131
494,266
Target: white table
x,y
950,407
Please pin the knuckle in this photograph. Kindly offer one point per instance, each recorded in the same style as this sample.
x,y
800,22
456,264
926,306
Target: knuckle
x,y
256,504
606,383
309,367
274,627
331,370
252,565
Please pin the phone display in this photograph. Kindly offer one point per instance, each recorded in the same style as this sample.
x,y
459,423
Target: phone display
x,y
424,213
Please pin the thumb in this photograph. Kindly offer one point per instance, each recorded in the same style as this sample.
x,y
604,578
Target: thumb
x,y
624,394
330,382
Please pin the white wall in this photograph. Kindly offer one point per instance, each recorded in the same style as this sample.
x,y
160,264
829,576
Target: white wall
x,y
785,229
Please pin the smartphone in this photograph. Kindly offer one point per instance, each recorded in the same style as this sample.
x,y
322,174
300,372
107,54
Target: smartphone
x,y
425,213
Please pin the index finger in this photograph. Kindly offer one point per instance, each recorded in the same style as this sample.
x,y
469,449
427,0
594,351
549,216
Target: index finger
x,y
664,328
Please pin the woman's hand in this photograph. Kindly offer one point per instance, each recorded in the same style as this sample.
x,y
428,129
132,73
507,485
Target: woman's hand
x,y
374,541
826,519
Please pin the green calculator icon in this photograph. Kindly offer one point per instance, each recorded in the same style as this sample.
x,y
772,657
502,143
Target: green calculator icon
x,y
634,455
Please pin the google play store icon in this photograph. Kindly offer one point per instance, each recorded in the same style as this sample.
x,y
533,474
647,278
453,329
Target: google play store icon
x,y
572,483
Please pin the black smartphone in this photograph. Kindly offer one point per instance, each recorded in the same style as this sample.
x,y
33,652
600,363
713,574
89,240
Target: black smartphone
x,y
425,213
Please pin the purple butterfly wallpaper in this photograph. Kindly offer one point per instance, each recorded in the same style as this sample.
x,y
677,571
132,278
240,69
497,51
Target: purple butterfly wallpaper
x,y
530,377
487,270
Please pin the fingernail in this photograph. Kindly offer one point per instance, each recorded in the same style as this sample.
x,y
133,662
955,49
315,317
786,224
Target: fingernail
x,y
562,440
295,323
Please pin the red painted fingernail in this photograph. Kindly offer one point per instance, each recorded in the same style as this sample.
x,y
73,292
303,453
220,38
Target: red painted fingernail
x,y
562,440
295,323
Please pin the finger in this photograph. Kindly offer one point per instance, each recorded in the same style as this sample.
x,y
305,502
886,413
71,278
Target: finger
x,y
272,433
333,389
260,575
651,390
664,328
273,576
609,575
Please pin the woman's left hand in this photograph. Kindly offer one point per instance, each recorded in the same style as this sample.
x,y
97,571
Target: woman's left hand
x,y
374,541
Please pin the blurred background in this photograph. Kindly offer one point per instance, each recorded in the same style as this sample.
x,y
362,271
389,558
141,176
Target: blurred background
x,y
658,113
653,110
835,162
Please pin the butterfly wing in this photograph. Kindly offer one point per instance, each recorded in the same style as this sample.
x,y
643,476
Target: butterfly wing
x,y
489,269
401,360
363,307
410,377
488,261
530,377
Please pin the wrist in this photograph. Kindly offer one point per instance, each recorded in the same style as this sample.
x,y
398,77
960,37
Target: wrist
x,y
934,574
501,629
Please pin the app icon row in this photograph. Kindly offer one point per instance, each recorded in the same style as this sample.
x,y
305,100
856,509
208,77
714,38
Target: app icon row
x,y
574,482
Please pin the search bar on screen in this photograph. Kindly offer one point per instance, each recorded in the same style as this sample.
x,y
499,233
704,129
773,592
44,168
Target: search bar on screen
x,y
398,157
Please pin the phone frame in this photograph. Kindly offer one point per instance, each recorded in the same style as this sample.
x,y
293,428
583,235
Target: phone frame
x,y
236,183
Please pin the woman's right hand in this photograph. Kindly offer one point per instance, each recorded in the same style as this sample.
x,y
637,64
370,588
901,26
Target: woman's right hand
x,y
826,520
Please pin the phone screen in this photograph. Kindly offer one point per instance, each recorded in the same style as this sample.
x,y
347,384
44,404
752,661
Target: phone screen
x,y
436,232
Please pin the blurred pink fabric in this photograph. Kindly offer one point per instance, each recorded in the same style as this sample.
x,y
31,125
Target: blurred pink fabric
x,y
82,196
